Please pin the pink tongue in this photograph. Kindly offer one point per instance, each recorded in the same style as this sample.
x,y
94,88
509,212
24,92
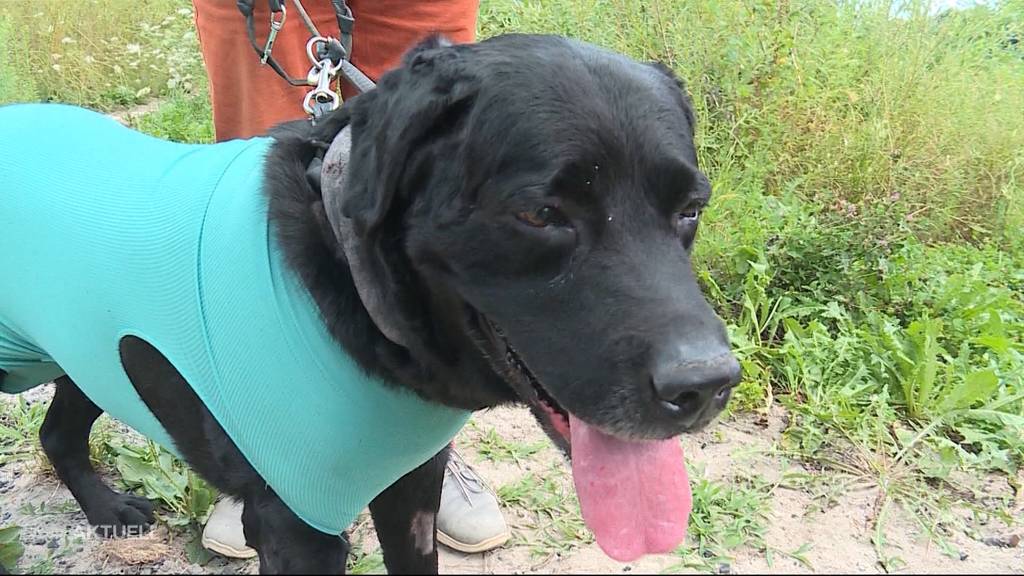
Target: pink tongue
x,y
635,496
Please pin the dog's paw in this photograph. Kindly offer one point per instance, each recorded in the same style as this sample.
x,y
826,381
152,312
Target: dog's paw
x,y
125,515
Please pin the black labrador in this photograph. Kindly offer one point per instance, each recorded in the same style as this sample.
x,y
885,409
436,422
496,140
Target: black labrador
x,y
526,208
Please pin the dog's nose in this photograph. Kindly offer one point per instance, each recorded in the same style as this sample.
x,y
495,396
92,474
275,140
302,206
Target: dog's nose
x,y
686,386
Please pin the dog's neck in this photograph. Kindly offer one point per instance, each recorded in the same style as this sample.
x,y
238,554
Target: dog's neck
x,y
333,176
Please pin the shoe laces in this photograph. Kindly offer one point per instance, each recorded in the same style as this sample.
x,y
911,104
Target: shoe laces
x,y
466,478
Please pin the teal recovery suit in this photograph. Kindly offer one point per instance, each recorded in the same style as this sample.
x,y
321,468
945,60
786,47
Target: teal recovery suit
x,y
106,232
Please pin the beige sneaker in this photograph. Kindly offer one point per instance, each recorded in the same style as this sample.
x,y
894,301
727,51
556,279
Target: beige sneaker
x,y
223,533
469,519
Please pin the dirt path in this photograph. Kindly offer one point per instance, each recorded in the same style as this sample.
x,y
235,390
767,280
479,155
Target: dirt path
x,y
513,455
126,115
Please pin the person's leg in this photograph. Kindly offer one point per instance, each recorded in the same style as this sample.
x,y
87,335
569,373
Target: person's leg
x,y
248,98
386,29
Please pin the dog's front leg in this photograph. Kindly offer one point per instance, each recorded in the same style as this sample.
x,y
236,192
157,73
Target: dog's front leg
x,y
405,516
286,544
64,436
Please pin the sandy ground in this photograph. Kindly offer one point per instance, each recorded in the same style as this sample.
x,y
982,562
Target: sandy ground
x,y
837,538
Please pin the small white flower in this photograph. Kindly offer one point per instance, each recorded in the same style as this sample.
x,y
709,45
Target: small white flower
x,y
56,67
68,40
133,48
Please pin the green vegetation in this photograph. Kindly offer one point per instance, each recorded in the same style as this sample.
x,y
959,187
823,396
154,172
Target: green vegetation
x,y
11,548
725,516
19,430
360,562
155,473
555,521
182,118
864,244
98,53
493,447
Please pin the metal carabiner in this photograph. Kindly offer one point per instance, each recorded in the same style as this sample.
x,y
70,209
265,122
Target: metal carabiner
x,y
275,26
314,58
321,99
318,103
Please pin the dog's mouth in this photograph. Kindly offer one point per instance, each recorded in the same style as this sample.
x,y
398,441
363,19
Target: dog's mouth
x,y
634,494
557,418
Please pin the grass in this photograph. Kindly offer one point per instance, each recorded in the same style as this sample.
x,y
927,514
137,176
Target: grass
x,y
497,449
19,430
42,509
553,513
103,54
183,118
864,243
361,562
725,517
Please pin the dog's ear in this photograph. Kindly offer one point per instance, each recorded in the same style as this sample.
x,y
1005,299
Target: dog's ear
x,y
680,85
422,101
399,131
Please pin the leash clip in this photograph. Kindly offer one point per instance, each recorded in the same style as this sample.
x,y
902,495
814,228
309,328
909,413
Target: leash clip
x,y
328,56
321,99
275,26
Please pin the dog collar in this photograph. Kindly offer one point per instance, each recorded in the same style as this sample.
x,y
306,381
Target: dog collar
x,y
333,175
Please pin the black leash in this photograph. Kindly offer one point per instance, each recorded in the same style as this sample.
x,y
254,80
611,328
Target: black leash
x,y
328,55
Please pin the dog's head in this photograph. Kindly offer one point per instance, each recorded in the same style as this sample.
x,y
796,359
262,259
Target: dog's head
x,y
525,208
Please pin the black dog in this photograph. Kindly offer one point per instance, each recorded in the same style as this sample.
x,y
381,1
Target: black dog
x,y
524,210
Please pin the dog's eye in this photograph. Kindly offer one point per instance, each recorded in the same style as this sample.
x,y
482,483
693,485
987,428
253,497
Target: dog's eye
x,y
543,217
686,225
689,216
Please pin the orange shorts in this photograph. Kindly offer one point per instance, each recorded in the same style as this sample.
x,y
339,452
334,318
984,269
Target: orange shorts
x,y
248,98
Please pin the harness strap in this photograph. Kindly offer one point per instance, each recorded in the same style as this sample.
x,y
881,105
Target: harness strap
x,y
246,7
